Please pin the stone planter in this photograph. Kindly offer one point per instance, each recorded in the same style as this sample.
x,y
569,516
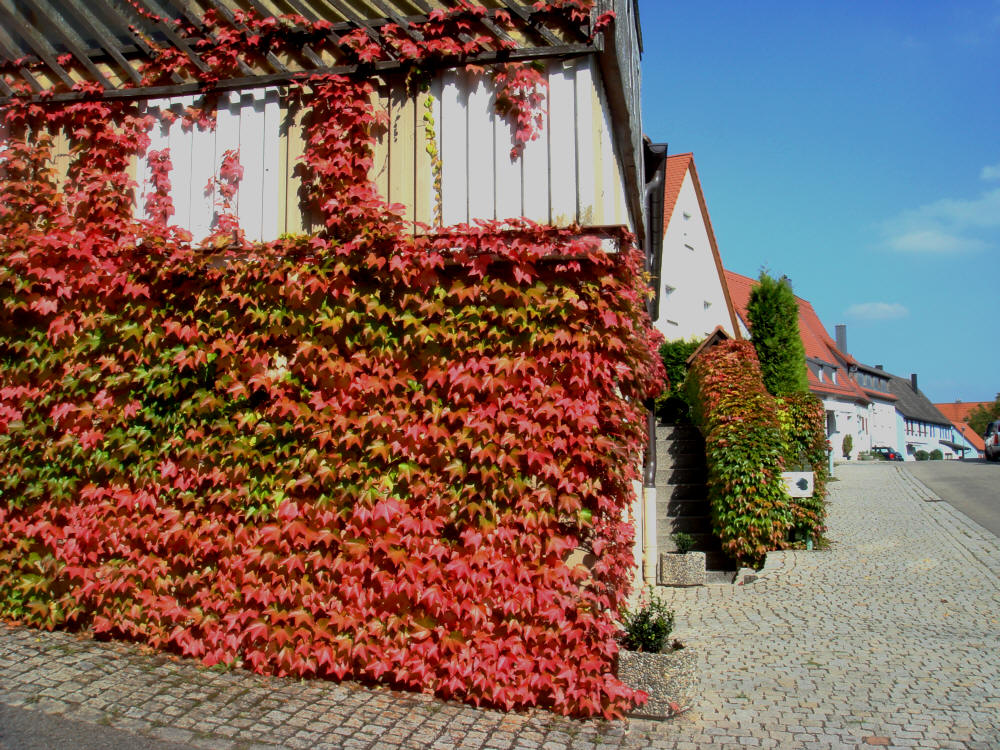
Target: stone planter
x,y
686,569
799,483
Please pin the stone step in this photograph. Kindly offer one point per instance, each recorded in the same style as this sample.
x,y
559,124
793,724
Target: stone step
x,y
699,527
681,474
691,461
676,430
666,493
679,507
703,540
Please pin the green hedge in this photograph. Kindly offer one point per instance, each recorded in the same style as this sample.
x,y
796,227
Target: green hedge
x,y
804,423
744,447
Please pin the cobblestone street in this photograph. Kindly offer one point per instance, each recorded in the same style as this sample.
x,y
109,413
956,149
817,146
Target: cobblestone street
x,y
890,637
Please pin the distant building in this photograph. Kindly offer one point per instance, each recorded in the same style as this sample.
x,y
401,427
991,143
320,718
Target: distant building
x,y
923,427
957,412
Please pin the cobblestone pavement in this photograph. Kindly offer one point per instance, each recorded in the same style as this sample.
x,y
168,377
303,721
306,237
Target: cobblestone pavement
x,y
891,637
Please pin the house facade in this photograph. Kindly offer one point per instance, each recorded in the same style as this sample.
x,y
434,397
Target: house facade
x,y
693,297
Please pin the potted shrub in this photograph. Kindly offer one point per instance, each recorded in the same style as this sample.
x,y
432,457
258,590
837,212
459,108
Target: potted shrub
x,y
848,446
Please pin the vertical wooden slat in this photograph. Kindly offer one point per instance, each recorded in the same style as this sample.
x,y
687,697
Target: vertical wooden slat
x,y
454,150
283,167
402,146
295,221
424,194
585,145
535,171
251,191
508,171
272,175
203,171
61,157
562,144
182,159
227,137
379,173
480,113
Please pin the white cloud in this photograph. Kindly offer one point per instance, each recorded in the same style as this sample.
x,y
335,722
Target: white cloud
x,y
934,241
991,172
877,311
947,226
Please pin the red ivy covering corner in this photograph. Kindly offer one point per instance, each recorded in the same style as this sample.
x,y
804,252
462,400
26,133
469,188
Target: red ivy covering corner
x,y
361,454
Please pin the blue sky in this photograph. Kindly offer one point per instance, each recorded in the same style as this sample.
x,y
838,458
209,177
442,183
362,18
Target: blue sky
x,y
854,147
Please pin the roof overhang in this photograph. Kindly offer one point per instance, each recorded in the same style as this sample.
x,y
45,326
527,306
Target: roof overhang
x,y
72,50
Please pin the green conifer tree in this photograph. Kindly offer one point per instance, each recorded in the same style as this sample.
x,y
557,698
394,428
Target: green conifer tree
x,y
774,325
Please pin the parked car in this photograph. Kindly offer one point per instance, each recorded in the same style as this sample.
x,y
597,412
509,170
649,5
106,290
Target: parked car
x,y
886,453
992,440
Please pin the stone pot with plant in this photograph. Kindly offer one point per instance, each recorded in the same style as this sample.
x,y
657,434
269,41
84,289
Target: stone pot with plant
x,y
683,566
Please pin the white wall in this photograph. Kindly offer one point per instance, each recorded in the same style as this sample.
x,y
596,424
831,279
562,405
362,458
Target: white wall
x,y
248,121
692,301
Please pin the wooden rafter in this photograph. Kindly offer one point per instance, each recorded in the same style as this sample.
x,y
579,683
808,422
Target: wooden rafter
x,y
49,46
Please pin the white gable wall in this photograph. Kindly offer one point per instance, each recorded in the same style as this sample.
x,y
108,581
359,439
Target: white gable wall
x,y
692,301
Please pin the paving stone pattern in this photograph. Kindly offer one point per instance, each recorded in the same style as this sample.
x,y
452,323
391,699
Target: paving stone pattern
x,y
889,638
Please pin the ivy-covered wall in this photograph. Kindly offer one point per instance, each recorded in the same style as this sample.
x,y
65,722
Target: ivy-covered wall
x,y
360,454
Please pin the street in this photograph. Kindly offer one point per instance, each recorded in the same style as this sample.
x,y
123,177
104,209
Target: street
x,y
972,487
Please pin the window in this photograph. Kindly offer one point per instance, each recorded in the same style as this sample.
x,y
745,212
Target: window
x,y
707,304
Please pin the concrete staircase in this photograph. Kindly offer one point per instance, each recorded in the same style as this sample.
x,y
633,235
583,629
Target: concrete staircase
x,y
682,494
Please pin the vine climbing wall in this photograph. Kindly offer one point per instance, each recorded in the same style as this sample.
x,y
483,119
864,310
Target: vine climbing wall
x,y
363,453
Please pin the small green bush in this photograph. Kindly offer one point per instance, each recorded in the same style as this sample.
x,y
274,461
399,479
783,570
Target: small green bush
x,y
647,627
848,446
922,455
683,541
936,455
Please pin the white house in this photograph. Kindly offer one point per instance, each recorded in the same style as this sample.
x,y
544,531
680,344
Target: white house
x,y
692,295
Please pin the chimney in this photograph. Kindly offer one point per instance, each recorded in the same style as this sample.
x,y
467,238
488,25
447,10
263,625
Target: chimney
x,y
841,332
913,382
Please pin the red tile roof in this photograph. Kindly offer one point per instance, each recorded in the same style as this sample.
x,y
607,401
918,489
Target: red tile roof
x,y
960,410
678,166
815,340
957,412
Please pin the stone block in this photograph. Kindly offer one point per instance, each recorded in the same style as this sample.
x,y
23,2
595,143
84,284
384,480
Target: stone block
x,y
682,570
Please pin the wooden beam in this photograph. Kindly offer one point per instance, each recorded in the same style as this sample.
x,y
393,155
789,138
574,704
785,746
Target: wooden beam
x,y
151,19
42,48
231,19
104,38
518,10
8,53
74,43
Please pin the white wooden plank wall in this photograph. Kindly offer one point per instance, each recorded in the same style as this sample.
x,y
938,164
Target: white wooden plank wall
x,y
248,121
569,174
